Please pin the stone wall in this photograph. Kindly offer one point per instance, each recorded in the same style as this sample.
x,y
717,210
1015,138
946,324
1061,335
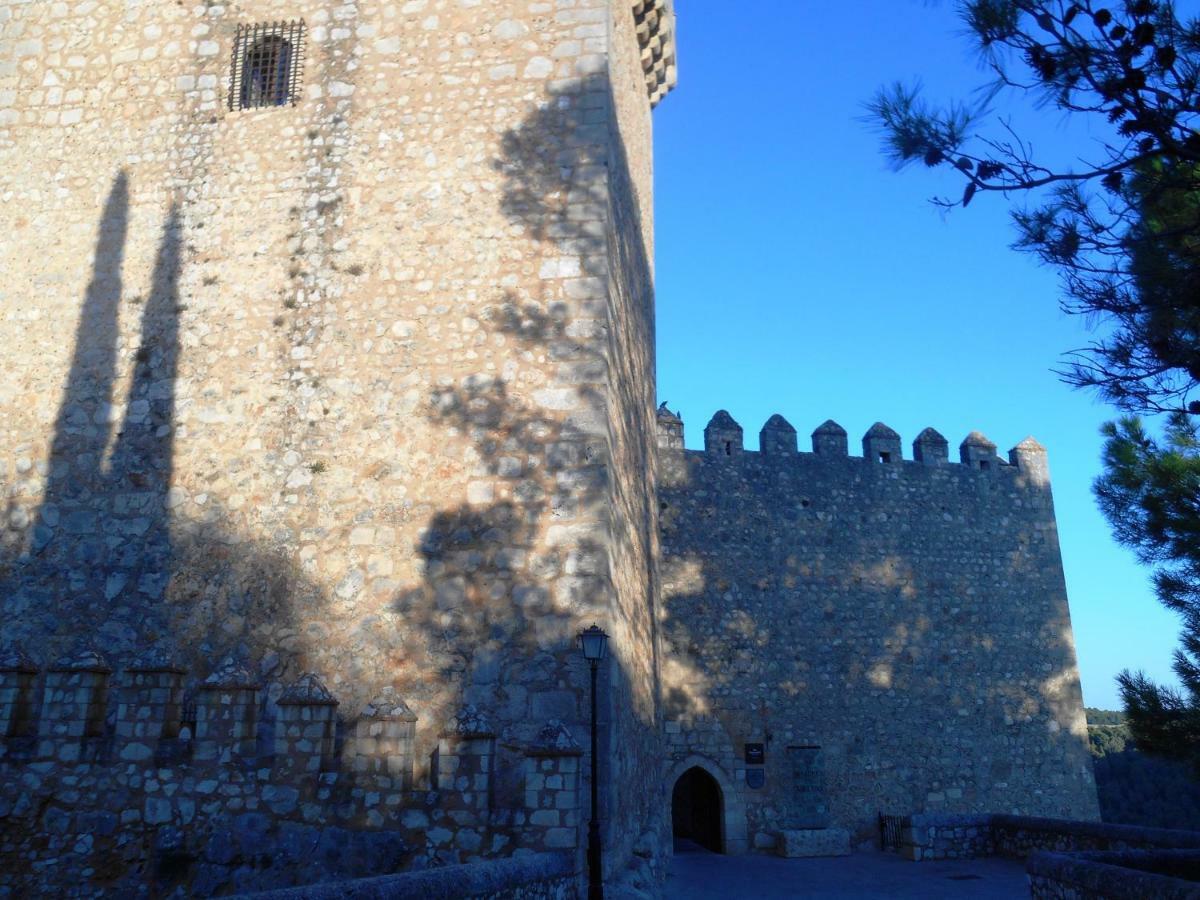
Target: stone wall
x,y
1165,875
358,384
929,837
1066,859
894,633
131,782
635,748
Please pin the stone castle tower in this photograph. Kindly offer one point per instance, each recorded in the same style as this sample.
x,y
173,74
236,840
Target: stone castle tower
x,y
327,423
328,347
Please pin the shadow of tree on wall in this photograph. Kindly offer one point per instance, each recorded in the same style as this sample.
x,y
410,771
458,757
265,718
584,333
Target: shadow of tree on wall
x,y
874,613
117,555
579,196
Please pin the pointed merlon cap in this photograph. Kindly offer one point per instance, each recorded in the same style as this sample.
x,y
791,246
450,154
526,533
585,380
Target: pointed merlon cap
x,y
977,439
388,705
723,420
879,430
307,690
722,435
779,423
977,451
555,740
230,676
1030,457
14,659
665,415
778,437
830,439
931,448
469,722
84,659
881,444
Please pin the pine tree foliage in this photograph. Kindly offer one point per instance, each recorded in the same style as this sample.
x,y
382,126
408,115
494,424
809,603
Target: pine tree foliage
x,y
1150,493
1122,227
1125,217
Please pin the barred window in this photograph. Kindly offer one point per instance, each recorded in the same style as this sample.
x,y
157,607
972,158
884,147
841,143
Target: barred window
x,y
268,60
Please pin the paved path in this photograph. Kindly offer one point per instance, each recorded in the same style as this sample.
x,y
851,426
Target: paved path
x,y
700,875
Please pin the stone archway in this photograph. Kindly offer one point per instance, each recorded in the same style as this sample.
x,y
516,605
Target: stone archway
x,y
707,806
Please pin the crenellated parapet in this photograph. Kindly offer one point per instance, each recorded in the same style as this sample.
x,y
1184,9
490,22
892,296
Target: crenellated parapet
x,y
153,746
723,441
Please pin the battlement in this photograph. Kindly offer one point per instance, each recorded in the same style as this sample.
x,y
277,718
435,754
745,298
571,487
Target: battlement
x,y
655,24
131,746
881,445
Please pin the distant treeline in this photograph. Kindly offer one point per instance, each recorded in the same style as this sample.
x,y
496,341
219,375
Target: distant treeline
x,y
1136,789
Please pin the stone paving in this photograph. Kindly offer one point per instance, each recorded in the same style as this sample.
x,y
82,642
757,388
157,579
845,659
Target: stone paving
x,y
696,874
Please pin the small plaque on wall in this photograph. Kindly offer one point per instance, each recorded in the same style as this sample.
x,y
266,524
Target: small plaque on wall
x,y
755,778
756,755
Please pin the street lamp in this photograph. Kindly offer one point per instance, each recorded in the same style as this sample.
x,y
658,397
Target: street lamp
x,y
594,643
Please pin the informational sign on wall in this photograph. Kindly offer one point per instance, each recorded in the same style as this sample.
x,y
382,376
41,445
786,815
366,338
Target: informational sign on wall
x,y
756,754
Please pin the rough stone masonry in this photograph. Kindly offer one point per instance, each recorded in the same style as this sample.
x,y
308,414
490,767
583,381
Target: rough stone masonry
x,y
327,422
893,634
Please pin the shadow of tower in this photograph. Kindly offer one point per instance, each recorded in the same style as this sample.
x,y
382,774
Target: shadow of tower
x,y
101,532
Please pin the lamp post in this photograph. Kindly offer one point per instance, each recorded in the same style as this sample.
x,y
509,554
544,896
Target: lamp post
x,y
594,643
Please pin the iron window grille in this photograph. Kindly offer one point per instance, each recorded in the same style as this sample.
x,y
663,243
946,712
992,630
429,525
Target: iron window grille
x,y
268,62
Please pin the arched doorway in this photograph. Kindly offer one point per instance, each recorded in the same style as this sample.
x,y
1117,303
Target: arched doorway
x,y
697,807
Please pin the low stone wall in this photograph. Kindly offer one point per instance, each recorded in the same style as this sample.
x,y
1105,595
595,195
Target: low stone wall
x,y
541,876
121,786
927,837
1022,836
1067,860
1119,875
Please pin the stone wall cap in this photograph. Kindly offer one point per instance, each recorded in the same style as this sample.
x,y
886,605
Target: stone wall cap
x,y
554,740
230,675
82,660
932,436
830,427
879,430
307,690
779,423
14,659
469,722
1030,445
722,419
388,705
978,439
665,415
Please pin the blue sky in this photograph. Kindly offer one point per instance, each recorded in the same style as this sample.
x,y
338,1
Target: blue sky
x,y
799,274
